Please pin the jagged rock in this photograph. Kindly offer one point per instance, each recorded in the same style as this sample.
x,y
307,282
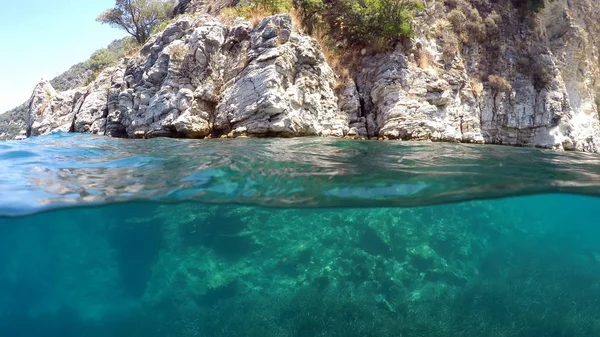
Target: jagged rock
x,y
200,77
412,103
349,104
91,116
286,88
52,111
551,106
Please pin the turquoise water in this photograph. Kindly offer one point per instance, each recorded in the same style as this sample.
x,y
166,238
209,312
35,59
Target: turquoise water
x,y
296,237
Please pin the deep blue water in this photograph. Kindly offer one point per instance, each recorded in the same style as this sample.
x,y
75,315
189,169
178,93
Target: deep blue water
x,y
296,237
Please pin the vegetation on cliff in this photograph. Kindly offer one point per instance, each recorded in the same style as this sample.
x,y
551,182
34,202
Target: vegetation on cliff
x,y
137,17
351,23
106,57
533,5
345,27
81,74
342,27
13,121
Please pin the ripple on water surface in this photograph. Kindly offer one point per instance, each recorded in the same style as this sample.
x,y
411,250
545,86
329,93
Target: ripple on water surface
x,y
74,169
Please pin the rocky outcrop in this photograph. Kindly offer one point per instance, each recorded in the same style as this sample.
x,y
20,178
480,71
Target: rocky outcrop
x,y
53,112
201,78
418,92
518,82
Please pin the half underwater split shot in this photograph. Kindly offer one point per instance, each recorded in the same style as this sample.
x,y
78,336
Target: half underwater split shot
x,y
286,237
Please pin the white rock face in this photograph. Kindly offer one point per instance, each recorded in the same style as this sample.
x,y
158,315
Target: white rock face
x,y
442,101
285,89
412,103
91,115
202,78
51,111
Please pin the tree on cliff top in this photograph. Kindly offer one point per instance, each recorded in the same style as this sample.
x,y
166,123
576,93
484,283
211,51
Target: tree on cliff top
x,y
137,17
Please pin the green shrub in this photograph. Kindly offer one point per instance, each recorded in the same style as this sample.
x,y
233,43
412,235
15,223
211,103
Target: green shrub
x,y
342,27
360,22
468,23
458,20
137,17
256,10
450,46
106,57
355,22
542,78
491,23
161,26
275,6
101,59
311,14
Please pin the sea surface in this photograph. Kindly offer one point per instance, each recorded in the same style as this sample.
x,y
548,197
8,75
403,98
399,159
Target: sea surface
x,y
296,237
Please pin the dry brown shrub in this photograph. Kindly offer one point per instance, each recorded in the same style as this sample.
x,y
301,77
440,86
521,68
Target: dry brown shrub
x,y
499,83
228,15
451,3
178,52
44,107
131,47
450,46
542,74
472,14
441,26
378,45
458,20
256,14
458,4
491,25
476,30
424,59
296,19
340,61
476,87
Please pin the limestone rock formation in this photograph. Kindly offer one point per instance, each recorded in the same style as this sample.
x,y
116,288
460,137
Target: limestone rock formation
x,y
418,92
520,81
202,78
51,111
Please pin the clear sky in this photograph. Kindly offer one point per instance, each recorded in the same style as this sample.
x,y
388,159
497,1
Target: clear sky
x,y
43,38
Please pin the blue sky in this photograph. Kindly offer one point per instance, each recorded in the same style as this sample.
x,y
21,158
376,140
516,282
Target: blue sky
x,y
43,38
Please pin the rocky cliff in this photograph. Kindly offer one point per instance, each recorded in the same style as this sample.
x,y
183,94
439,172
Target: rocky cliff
x,y
14,121
203,78
469,75
527,81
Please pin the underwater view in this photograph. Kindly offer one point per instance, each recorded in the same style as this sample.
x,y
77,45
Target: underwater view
x,y
296,237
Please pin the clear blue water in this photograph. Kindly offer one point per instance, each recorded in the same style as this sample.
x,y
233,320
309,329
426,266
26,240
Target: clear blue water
x,y
296,237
